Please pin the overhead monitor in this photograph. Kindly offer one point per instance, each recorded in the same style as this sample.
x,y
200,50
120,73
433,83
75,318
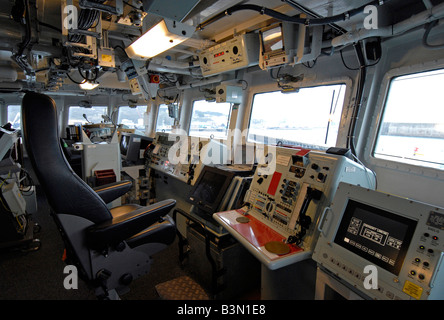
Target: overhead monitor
x,y
277,45
273,39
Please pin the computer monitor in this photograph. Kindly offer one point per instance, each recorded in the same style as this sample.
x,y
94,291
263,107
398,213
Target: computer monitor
x,y
210,188
376,235
382,246
132,146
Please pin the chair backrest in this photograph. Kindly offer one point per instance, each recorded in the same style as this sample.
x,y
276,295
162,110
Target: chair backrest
x,y
66,192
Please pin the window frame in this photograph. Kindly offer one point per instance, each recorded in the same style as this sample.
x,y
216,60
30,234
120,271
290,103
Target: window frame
x,y
137,106
204,137
7,113
157,119
75,105
345,118
377,122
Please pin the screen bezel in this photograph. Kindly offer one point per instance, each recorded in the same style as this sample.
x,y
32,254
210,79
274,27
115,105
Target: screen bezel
x,y
349,210
134,148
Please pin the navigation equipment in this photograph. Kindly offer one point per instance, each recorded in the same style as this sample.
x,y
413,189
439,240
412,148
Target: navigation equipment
x,y
399,237
286,198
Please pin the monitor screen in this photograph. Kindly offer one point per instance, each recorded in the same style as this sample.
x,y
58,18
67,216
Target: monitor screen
x,y
210,188
272,39
124,143
133,145
376,235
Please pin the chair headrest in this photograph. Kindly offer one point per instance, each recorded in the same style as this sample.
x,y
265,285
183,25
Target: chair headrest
x,y
66,192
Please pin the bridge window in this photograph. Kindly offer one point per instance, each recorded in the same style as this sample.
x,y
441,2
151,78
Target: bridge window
x,y
210,119
132,117
412,126
308,118
81,115
164,121
14,115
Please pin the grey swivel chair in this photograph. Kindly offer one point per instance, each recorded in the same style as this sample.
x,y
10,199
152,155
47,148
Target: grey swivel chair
x,y
110,247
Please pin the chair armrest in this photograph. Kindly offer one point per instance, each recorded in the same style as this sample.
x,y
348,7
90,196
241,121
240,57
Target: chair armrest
x,y
120,228
111,191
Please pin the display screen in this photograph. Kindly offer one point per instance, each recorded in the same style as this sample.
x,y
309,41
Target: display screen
x,y
219,54
436,220
376,235
272,39
124,142
210,188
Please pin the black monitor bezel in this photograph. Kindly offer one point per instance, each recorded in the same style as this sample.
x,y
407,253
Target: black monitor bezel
x,y
385,213
133,149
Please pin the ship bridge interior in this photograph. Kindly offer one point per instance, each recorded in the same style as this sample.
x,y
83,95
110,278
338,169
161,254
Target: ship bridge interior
x,y
222,150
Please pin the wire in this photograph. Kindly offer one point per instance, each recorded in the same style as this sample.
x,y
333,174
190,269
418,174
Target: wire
x,y
280,16
85,20
345,65
366,173
425,42
307,65
76,82
88,72
358,99
354,69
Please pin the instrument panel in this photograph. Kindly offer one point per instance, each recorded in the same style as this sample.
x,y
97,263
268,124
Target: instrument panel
x,y
290,198
399,239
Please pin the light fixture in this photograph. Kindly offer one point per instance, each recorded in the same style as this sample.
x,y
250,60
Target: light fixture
x,y
87,85
161,37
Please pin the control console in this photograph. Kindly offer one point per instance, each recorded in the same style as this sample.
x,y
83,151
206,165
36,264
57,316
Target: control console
x,y
184,157
396,242
289,193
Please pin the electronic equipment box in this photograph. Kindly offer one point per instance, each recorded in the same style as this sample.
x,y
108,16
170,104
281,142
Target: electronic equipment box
x,y
289,193
401,239
239,52
277,45
287,43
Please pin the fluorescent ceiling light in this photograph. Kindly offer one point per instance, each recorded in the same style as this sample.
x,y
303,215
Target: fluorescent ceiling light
x,y
88,85
163,36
